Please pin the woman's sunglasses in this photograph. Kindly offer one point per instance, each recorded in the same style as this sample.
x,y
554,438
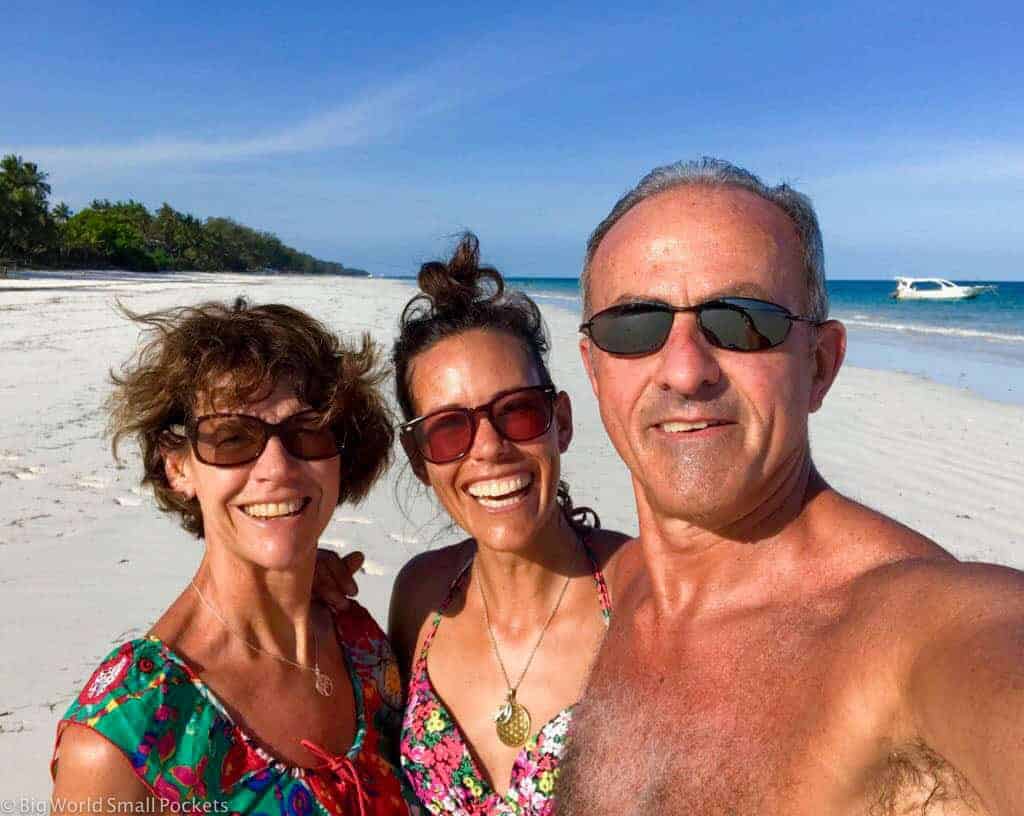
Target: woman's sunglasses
x,y
227,440
734,323
447,435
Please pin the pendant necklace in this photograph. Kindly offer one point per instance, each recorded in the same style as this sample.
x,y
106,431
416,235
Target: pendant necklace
x,y
322,682
512,719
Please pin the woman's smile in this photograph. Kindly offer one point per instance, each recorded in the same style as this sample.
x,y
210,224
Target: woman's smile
x,y
502,493
276,510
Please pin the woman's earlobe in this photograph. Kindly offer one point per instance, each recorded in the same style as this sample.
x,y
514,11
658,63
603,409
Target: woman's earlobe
x,y
177,475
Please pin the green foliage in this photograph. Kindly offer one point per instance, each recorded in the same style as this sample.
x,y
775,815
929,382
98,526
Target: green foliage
x,y
125,235
112,235
26,228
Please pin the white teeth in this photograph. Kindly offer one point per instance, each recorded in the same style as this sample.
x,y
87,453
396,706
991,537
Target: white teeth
x,y
499,487
496,503
273,509
682,427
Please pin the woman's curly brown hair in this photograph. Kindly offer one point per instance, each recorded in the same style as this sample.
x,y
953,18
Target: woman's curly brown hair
x,y
216,353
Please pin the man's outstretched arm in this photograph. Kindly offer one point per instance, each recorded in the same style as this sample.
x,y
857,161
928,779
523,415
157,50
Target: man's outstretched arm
x,y
966,689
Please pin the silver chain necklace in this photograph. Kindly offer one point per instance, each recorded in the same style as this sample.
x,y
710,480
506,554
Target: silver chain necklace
x,y
322,682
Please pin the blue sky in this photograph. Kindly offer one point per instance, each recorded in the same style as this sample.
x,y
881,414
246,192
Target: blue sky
x,y
372,135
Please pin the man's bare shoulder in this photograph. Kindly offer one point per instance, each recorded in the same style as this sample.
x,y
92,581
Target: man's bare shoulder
x,y
911,582
925,593
894,581
866,537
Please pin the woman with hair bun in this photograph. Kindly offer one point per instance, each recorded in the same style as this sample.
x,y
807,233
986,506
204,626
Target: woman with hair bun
x,y
495,635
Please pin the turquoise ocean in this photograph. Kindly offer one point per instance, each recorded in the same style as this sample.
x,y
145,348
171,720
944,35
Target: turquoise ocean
x,y
974,344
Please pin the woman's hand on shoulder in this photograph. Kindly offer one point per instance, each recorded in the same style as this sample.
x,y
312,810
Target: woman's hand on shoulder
x,y
334,577
91,768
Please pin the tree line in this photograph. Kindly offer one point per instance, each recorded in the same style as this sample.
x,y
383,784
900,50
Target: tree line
x,y
126,235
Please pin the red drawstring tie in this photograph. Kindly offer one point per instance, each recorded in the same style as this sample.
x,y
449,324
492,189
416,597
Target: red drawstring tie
x,y
342,767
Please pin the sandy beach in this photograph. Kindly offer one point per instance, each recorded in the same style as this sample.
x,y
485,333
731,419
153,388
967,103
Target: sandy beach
x,y
86,560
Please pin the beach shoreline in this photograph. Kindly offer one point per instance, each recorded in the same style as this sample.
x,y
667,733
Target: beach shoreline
x,y
86,560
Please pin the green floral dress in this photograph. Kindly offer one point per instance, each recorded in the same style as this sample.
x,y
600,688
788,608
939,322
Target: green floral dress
x,y
184,746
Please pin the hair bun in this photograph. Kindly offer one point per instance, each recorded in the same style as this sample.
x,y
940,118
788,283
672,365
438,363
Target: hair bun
x,y
462,281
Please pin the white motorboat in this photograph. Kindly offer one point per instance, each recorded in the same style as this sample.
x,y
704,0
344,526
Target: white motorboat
x,y
936,289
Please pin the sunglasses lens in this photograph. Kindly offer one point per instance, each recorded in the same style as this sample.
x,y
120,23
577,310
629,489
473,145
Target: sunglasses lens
x,y
631,330
744,325
306,438
523,415
444,437
228,440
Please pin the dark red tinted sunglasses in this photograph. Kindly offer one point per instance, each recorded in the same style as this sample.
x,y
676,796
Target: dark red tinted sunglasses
x,y
447,435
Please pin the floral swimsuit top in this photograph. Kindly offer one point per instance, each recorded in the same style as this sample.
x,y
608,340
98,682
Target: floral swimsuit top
x,y
437,760
185,747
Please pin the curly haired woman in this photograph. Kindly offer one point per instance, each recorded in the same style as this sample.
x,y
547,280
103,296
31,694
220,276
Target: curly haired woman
x,y
254,423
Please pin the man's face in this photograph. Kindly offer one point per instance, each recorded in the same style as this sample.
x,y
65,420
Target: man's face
x,y
685,247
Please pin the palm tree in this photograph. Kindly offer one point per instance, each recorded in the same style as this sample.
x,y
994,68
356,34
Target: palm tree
x,y
61,213
25,224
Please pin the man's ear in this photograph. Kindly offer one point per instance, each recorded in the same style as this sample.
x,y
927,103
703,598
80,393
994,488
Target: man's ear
x,y
586,353
419,467
563,420
829,352
178,469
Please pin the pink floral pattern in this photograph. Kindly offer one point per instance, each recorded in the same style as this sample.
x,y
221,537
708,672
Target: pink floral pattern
x,y
439,766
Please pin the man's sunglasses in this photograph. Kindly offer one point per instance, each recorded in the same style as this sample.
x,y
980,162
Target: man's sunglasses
x,y
447,435
227,440
733,323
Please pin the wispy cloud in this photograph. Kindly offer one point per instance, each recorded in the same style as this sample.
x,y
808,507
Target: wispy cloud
x,y
366,118
371,116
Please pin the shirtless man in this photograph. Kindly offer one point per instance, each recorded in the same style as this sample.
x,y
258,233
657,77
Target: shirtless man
x,y
776,647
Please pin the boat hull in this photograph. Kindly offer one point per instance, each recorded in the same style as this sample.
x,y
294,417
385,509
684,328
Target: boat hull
x,y
937,289
934,296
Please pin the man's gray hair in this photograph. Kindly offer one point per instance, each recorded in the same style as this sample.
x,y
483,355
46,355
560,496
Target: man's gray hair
x,y
711,172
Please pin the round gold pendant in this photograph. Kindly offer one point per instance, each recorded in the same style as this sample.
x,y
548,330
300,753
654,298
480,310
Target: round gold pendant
x,y
514,725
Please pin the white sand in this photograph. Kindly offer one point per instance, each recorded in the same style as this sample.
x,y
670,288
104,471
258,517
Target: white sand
x,y
86,561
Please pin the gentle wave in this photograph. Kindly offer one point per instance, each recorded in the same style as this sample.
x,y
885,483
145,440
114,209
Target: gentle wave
x,y
996,337
552,296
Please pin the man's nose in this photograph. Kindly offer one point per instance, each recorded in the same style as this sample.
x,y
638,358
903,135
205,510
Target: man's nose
x,y
687,362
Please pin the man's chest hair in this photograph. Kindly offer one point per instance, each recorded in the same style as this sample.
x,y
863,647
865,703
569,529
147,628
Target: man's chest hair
x,y
710,741
771,719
